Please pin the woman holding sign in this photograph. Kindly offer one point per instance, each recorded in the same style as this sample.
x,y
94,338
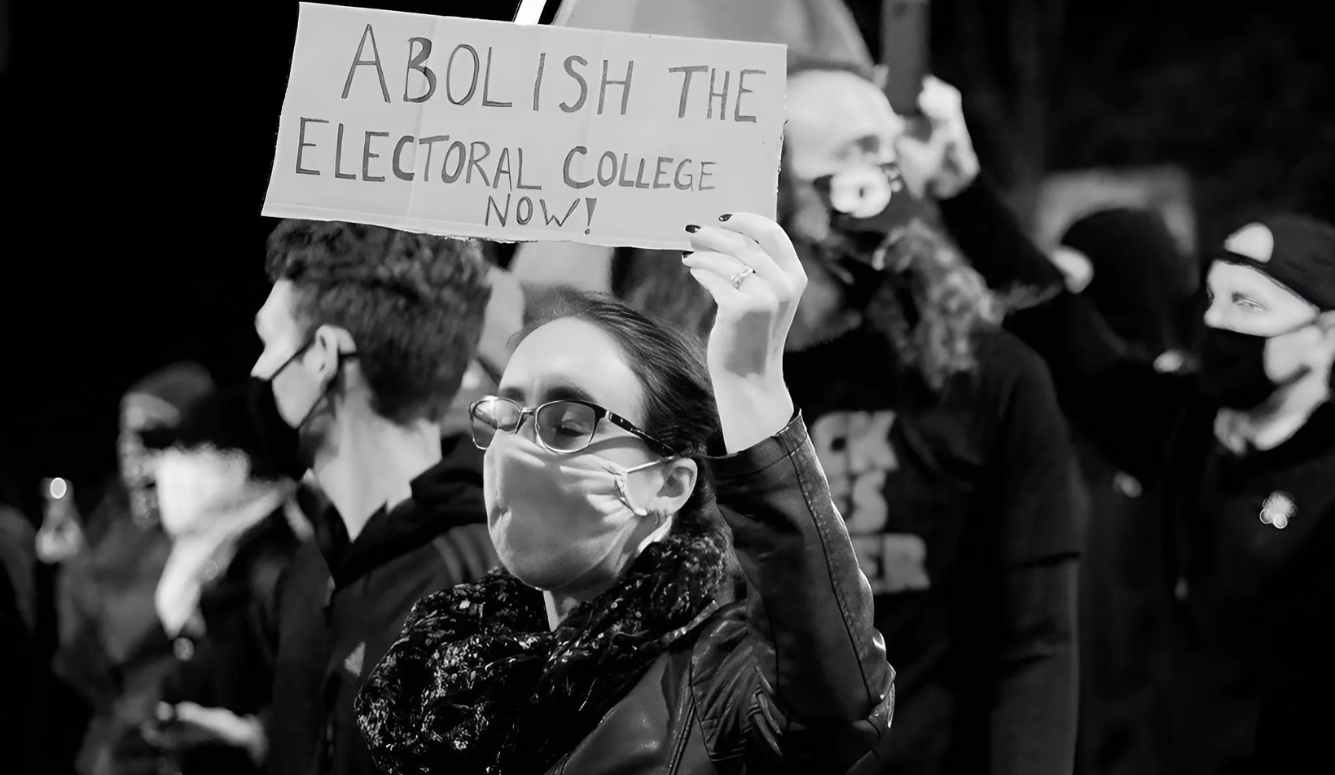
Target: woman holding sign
x,y
610,640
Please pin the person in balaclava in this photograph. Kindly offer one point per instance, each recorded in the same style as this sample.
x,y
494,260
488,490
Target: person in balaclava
x,y
1140,283
1139,280
1243,448
231,521
939,433
110,647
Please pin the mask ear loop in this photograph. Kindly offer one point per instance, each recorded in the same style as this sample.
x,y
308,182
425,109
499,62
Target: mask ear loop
x,y
623,485
623,492
324,394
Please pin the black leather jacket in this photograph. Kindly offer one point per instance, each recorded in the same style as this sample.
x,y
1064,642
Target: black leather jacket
x,y
791,679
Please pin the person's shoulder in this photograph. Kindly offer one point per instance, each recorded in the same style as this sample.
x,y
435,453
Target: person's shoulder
x,y
306,576
266,550
1002,354
460,555
720,635
1006,367
271,535
450,493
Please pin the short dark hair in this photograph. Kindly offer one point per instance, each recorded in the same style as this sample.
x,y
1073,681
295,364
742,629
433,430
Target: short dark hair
x,y
679,407
413,303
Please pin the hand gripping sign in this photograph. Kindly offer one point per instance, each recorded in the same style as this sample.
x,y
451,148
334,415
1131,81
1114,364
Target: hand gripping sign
x,y
512,132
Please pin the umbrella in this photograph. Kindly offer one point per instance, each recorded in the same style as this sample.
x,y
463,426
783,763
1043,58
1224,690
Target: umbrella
x,y
817,28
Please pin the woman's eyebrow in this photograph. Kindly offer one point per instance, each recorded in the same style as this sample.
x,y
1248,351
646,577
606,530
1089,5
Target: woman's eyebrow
x,y
566,391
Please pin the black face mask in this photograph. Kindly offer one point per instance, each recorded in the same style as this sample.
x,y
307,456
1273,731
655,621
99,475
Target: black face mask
x,y
281,445
1232,368
855,248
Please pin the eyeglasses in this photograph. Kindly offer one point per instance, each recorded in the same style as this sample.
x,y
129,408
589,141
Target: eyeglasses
x,y
563,426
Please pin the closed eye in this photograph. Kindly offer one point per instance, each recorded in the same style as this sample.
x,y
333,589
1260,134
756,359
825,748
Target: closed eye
x,y
1247,303
572,430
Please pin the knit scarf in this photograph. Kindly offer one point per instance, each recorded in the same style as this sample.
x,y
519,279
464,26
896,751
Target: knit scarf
x,y
478,683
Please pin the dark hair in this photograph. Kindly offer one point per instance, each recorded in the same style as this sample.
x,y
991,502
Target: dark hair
x,y
679,407
657,284
413,303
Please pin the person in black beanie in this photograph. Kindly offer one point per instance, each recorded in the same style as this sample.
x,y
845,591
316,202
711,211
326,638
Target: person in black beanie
x,y
110,650
1140,280
234,525
1244,448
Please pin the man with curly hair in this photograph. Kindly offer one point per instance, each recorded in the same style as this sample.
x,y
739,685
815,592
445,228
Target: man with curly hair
x,y
367,333
940,435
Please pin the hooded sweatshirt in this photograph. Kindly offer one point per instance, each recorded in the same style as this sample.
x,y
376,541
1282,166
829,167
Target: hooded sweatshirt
x,y
342,603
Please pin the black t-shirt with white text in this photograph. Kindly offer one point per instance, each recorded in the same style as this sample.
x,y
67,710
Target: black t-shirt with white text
x,y
943,494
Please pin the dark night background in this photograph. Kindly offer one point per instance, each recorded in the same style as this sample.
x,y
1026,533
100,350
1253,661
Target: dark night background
x,y
137,142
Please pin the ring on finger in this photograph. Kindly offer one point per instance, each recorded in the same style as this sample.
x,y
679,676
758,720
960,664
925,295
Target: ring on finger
x,y
740,277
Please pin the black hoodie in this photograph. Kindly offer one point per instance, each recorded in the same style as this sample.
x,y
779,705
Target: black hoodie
x,y
341,604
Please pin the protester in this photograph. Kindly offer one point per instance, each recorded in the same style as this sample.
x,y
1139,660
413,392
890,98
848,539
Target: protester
x,y
606,643
367,333
942,440
1140,285
1244,449
229,521
110,648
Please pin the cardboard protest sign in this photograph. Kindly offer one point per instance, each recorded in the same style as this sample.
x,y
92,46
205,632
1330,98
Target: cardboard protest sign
x,y
510,132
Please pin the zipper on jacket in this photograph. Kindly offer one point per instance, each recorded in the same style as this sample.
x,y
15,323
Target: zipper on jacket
x,y
679,749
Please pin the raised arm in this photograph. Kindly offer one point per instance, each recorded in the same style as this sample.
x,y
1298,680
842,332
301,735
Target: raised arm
x,y
943,164
1089,364
811,604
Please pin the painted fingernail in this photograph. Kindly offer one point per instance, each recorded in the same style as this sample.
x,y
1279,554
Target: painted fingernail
x,y
692,228
725,216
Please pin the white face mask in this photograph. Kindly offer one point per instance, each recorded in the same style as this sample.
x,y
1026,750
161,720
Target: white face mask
x,y
559,521
195,487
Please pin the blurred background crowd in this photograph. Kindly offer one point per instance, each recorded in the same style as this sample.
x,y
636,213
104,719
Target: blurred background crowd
x,y
1102,152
